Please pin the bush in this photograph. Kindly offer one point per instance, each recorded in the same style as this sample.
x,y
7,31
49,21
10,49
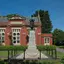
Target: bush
x,y
22,48
49,62
2,62
47,47
62,60
61,47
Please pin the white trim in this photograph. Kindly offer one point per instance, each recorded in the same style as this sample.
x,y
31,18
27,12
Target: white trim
x,y
2,28
17,22
35,28
15,31
48,42
16,28
3,44
16,43
16,18
39,33
28,28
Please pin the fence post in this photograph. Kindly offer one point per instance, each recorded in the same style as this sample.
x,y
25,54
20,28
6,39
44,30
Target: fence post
x,y
49,51
55,54
40,54
52,52
8,54
24,54
11,53
14,52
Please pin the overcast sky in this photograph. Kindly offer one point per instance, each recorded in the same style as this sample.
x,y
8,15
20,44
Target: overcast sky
x,y
28,7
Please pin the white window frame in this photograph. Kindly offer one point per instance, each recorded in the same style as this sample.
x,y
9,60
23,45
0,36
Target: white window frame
x,y
16,30
16,22
47,42
2,30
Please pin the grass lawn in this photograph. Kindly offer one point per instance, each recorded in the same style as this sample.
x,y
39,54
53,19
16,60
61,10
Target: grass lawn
x,y
4,54
60,55
61,47
50,61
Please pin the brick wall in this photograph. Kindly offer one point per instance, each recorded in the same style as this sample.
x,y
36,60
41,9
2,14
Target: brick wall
x,y
38,35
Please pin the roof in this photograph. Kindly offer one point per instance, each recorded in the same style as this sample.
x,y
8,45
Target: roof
x,y
46,35
3,24
36,22
34,18
3,19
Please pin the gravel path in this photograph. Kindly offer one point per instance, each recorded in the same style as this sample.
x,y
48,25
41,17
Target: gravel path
x,y
60,50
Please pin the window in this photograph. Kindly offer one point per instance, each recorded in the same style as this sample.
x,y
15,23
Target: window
x,y
18,34
15,35
14,38
2,35
46,39
18,41
14,41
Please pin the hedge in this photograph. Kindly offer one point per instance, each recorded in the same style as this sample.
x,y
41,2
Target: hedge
x,y
22,48
46,47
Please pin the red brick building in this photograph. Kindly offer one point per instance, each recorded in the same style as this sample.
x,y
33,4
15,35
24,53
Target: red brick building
x,y
15,30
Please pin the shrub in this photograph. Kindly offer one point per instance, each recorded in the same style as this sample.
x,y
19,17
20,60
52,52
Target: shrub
x,y
47,47
22,48
2,62
62,60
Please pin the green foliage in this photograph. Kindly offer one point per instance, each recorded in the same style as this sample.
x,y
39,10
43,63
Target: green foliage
x,y
13,15
62,60
58,36
49,62
61,47
34,62
60,54
45,20
2,62
42,62
22,48
42,48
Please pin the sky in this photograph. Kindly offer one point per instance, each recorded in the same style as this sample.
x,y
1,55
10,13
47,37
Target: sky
x,y
28,7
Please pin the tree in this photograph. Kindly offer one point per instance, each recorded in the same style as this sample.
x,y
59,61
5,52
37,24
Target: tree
x,y
13,15
58,37
46,25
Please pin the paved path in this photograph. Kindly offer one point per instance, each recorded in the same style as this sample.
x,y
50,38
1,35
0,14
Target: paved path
x,y
32,54
60,50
